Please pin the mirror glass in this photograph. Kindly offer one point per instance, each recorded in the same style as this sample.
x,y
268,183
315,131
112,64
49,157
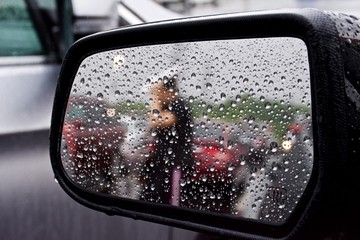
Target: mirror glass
x,y
221,126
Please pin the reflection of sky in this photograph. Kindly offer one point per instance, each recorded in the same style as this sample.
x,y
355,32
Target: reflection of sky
x,y
275,68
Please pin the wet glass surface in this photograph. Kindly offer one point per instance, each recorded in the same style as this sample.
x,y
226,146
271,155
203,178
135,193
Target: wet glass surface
x,y
221,126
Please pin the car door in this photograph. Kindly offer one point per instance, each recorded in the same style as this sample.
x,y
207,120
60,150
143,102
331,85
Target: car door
x,y
32,205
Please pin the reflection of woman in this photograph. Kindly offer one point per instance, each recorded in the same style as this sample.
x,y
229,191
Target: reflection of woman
x,y
170,122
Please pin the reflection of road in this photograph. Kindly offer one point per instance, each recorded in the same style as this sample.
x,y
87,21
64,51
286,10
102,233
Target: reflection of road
x,y
275,187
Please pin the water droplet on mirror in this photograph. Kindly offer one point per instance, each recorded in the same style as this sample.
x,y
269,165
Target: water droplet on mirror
x,y
208,85
203,178
349,20
191,99
170,151
153,132
267,105
242,161
231,167
100,96
251,119
212,168
182,182
230,144
156,112
306,139
221,139
221,107
223,96
273,146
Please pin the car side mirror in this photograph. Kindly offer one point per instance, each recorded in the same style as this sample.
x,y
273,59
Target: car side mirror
x,y
242,125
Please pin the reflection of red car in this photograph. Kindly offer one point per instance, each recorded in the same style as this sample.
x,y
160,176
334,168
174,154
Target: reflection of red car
x,y
92,135
215,159
216,152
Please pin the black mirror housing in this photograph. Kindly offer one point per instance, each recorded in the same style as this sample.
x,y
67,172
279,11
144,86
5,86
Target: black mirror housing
x,y
328,207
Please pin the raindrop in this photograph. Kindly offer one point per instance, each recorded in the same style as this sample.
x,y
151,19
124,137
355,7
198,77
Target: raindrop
x,y
231,167
191,99
349,20
251,119
230,144
156,112
100,96
267,105
153,132
170,151
306,139
208,85
182,182
203,178
242,160
273,146
221,107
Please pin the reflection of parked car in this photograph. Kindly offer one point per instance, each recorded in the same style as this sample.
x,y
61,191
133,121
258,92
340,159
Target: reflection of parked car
x,y
216,151
92,138
221,155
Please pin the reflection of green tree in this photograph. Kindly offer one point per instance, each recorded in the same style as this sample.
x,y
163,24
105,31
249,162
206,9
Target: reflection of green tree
x,y
131,108
277,114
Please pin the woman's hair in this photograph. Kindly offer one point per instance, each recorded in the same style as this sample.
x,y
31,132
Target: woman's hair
x,y
169,83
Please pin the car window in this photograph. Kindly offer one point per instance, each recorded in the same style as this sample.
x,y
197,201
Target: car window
x,y
18,35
